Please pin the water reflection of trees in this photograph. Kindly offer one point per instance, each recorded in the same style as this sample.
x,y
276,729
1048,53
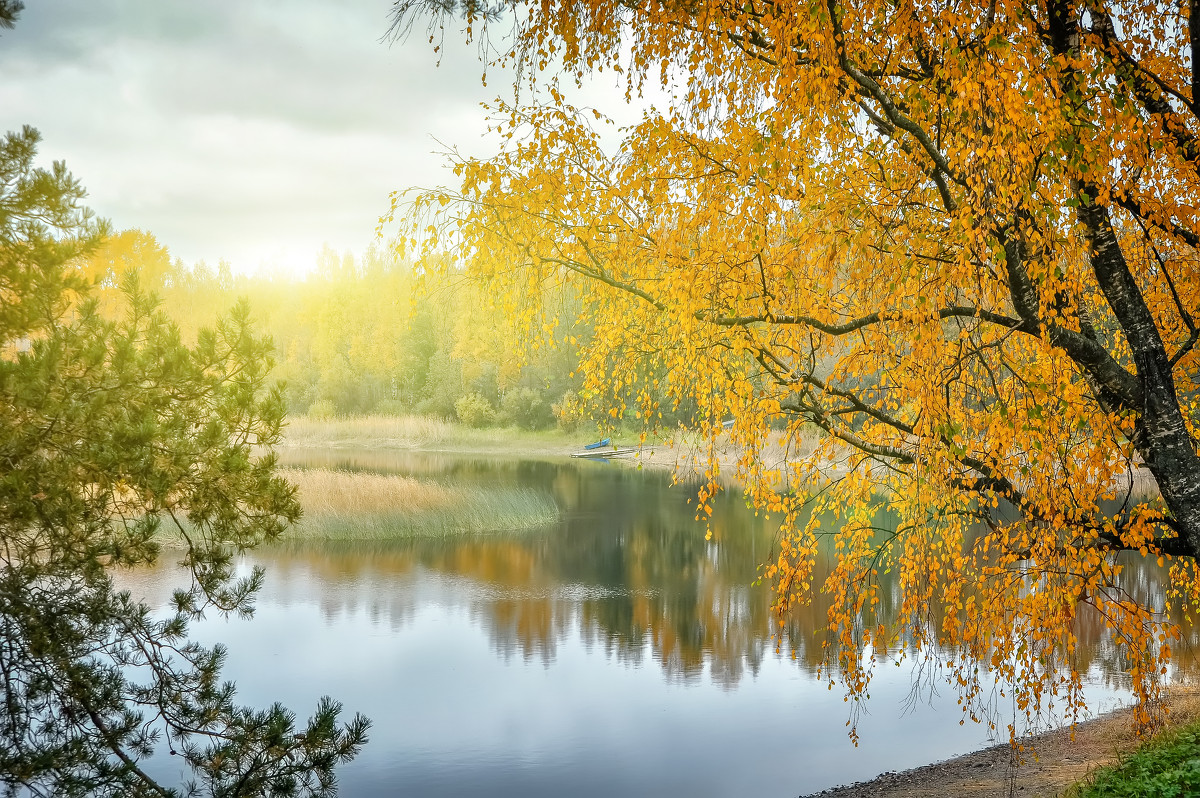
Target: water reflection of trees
x,y
628,569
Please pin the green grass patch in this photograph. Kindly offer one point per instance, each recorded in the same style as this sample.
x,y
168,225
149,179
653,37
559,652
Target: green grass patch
x,y
1166,767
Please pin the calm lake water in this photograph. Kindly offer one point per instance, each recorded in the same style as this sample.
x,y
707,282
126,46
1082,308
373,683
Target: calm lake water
x,y
615,653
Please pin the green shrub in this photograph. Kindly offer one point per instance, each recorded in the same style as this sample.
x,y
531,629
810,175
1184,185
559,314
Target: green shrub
x,y
393,407
568,412
350,390
322,410
443,386
487,383
474,411
526,408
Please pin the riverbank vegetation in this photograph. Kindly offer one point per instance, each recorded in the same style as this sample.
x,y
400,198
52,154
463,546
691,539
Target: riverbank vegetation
x,y
1165,767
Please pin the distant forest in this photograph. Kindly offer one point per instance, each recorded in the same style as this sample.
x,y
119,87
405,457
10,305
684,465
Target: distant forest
x,y
369,335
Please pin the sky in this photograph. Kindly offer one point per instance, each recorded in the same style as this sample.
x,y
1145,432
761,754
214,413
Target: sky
x,y
250,130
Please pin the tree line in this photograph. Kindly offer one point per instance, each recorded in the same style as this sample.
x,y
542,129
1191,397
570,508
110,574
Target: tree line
x,y
371,334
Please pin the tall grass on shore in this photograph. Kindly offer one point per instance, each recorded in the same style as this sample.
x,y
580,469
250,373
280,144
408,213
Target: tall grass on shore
x,y
343,505
402,432
419,433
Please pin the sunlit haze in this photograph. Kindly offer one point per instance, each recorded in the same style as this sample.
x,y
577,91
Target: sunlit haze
x,y
253,131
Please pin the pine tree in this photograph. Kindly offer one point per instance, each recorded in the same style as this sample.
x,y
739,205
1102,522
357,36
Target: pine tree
x,y
114,434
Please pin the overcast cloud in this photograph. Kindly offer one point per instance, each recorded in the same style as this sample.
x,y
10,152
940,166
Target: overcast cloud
x,y
252,130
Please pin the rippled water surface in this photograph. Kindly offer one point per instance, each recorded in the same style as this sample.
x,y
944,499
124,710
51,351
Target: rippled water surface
x,y
615,653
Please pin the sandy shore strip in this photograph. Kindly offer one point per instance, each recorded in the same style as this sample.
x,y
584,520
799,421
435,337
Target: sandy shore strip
x,y
1060,759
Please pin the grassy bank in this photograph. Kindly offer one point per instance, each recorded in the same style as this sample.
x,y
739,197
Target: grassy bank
x,y
418,433
1167,766
340,505
427,434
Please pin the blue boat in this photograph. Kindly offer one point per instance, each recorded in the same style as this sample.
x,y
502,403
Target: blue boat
x,y
607,454
598,444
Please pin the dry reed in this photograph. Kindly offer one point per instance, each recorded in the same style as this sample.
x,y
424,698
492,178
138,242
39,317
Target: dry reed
x,y
323,491
344,505
405,432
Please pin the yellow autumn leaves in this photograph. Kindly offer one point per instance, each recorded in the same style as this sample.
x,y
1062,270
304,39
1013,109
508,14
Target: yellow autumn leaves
x,y
864,218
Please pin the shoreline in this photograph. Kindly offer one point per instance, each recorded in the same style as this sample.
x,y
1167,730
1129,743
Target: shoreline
x,y
1059,758
684,458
